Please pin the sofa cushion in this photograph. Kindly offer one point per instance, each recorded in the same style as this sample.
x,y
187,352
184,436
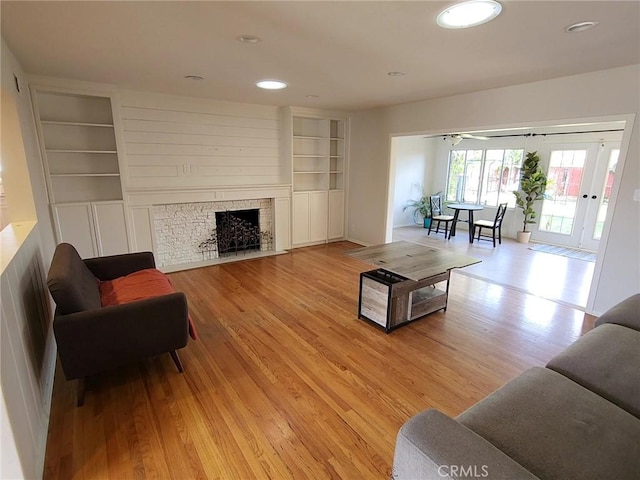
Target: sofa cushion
x,y
606,361
72,285
626,313
431,445
557,429
136,286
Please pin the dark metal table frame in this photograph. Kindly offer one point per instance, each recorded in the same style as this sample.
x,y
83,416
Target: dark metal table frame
x,y
469,208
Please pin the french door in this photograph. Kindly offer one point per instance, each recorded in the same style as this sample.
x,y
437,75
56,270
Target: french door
x,y
580,180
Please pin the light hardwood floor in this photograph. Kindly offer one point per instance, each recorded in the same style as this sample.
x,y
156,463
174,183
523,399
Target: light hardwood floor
x,y
286,383
514,265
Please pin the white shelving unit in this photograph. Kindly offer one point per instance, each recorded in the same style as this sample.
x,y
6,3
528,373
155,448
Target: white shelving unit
x,y
318,178
79,146
79,150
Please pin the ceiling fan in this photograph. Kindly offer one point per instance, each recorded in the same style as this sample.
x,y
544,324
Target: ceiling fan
x,y
455,138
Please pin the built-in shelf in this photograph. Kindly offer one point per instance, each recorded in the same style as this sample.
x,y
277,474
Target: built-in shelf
x,y
80,151
317,171
309,137
77,136
76,124
85,174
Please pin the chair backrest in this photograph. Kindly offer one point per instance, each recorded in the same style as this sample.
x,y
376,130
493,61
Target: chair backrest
x,y
436,205
502,209
72,285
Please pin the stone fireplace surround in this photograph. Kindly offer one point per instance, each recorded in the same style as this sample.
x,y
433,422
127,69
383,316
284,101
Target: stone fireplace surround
x,y
180,228
147,204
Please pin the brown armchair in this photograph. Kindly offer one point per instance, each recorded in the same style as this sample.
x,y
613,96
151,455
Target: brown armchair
x,y
92,338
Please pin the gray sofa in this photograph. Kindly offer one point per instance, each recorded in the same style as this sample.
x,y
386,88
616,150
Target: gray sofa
x,y
578,418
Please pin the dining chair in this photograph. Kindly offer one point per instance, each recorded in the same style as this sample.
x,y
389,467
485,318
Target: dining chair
x,y
437,216
495,225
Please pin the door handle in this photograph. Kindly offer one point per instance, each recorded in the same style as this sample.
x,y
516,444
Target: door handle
x,y
594,197
585,195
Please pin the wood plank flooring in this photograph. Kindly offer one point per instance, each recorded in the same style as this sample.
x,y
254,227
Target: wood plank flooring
x,y
515,265
286,383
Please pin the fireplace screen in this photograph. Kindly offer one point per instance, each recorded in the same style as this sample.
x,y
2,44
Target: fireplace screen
x,y
238,231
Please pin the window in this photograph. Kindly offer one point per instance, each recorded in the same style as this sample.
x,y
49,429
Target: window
x,y
487,177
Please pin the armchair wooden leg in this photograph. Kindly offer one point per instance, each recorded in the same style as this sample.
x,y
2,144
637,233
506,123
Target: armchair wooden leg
x,y
176,360
80,392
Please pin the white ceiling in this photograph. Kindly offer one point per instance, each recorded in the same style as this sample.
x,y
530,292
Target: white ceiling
x,y
340,51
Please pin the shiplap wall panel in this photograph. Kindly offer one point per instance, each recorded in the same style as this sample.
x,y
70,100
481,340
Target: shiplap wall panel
x,y
199,150
199,139
200,128
27,352
173,141
172,160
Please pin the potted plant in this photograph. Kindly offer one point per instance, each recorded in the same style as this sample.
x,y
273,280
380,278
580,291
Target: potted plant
x,y
533,183
421,207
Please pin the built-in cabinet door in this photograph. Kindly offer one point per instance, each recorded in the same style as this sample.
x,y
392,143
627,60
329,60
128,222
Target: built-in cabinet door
x,y
318,210
336,214
111,228
93,228
142,229
74,225
282,216
300,218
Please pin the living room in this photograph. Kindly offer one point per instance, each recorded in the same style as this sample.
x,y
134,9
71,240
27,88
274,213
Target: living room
x,y
594,92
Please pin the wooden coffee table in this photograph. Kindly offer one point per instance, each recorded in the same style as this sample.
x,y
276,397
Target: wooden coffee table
x,y
402,289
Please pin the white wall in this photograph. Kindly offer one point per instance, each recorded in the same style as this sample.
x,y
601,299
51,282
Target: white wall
x,y
27,346
33,190
413,158
609,95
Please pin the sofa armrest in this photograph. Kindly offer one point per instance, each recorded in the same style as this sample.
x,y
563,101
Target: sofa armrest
x,y
114,266
92,341
431,445
625,313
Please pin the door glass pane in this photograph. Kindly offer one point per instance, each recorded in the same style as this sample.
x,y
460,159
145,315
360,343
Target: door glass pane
x,y
606,193
565,176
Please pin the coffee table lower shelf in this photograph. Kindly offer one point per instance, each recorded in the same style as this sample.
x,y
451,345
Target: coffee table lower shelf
x,y
390,300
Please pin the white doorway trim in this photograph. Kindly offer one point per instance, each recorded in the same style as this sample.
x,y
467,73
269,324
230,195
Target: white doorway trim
x,y
580,121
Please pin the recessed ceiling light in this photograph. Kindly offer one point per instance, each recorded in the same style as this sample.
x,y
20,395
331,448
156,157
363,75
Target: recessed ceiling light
x,y
193,77
249,39
396,74
580,27
469,14
271,84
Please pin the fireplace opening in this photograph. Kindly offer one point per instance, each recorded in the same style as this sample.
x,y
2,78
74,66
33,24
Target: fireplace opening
x,y
238,231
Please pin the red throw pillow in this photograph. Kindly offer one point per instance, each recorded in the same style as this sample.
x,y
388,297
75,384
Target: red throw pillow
x,y
138,286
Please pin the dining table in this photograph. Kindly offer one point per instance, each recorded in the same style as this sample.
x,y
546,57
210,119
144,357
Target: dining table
x,y
458,207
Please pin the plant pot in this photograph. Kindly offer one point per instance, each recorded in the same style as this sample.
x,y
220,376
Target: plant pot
x,y
523,237
427,222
